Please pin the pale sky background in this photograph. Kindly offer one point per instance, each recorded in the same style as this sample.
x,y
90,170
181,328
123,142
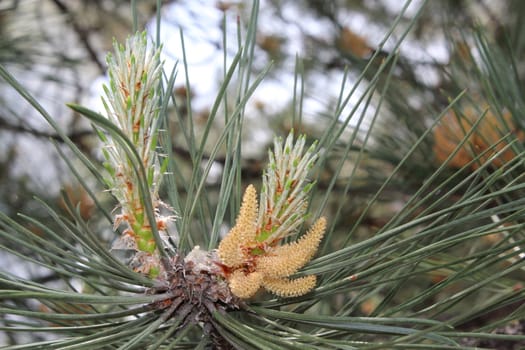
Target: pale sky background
x,y
201,23
201,20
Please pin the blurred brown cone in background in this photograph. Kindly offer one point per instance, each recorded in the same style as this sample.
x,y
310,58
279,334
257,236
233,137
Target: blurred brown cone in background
x,y
354,44
489,134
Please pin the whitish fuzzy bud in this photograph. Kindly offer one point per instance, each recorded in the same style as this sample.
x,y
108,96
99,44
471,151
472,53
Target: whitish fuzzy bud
x,y
132,105
285,189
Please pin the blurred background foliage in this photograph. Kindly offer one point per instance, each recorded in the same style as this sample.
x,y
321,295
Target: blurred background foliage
x,y
447,101
58,48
